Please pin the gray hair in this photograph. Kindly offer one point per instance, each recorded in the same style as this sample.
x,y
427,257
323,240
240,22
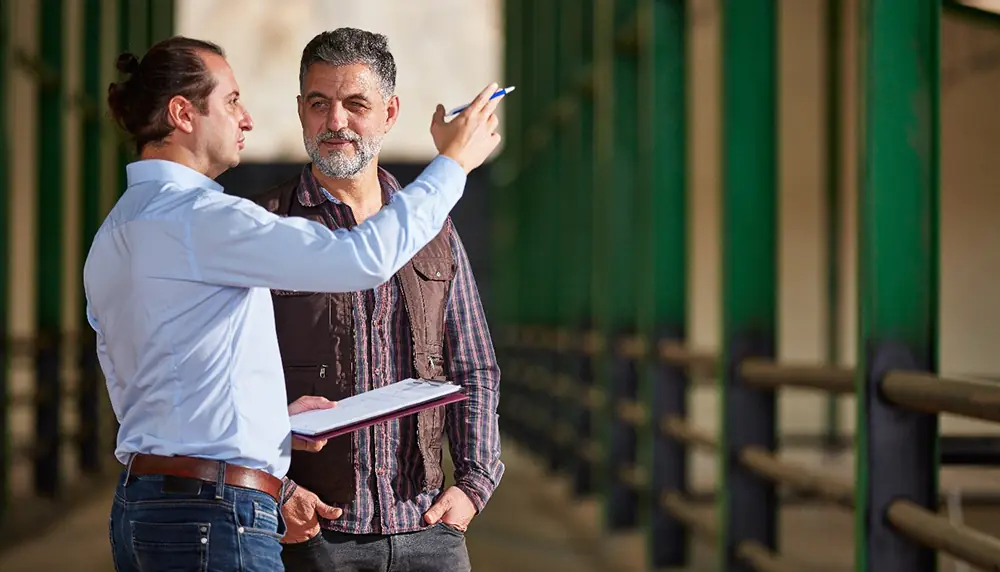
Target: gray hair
x,y
348,46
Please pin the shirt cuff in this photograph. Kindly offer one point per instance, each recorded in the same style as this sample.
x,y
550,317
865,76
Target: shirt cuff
x,y
477,487
288,487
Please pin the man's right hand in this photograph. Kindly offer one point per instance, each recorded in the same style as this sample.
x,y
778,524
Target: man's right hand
x,y
300,513
471,136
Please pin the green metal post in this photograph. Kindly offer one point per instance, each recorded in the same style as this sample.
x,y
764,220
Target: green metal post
x,y
749,267
898,275
662,219
604,181
5,198
133,34
834,43
503,285
572,203
548,222
48,309
622,383
161,14
581,298
90,391
528,232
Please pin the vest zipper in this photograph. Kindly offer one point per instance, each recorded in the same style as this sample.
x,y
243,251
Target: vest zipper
x,y
322,371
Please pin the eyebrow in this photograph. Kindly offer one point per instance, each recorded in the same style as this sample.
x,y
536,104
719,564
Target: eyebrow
x,y
316,94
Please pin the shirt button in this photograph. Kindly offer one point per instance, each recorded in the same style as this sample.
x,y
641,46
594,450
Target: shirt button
x,y
204,540
240,530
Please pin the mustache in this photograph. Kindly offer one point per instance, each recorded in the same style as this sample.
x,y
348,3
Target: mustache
x,y
341,135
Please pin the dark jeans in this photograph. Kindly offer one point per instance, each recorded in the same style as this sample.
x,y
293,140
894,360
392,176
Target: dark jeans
x,y
161,524
439,548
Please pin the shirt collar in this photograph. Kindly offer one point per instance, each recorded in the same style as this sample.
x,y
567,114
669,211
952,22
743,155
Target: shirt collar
x,y
311,194
149,170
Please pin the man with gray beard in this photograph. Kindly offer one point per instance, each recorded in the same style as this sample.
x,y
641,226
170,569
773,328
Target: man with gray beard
x,y
377,496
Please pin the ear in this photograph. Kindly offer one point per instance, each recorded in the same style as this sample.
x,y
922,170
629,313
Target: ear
x,y
180,114
299,103
391,112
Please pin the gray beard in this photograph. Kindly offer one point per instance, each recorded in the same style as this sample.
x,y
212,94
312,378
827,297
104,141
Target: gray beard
x,y
339,165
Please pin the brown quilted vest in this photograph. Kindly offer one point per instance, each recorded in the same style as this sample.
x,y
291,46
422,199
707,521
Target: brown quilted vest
x,y
317,344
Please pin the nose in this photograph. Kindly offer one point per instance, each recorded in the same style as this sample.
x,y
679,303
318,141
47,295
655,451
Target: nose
x,y
246,123
336,118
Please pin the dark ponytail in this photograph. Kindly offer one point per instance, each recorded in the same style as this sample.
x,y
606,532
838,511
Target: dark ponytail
x,y
170,68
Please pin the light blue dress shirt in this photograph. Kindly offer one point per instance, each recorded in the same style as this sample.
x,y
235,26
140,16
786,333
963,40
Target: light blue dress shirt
x,y
178,283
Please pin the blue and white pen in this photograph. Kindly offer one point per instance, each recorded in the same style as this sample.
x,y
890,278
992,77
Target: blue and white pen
x,y
495,95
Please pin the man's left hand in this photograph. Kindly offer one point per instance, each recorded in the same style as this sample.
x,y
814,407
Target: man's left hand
x,y
308,403
453,508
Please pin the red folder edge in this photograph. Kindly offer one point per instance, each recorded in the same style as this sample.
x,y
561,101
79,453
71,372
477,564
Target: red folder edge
x,y
446,400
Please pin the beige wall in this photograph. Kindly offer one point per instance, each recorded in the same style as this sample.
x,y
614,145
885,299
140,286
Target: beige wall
x,y
445,51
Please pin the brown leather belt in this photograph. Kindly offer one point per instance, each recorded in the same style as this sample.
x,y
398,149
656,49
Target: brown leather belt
x,y
208,471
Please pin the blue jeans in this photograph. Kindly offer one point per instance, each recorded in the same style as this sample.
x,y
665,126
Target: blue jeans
x,y
161,524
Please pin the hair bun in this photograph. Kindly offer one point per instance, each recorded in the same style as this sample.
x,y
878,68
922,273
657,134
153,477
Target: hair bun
x,y
127,63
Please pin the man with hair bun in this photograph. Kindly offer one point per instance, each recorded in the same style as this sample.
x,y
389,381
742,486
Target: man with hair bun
x,y
178,282
376,499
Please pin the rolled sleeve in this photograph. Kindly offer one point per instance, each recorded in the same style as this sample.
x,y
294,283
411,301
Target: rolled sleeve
x,y
472,424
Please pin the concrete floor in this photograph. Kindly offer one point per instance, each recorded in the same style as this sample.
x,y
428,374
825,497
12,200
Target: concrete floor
x,y
533,525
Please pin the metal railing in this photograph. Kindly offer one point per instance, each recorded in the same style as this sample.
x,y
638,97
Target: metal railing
x,y
660,417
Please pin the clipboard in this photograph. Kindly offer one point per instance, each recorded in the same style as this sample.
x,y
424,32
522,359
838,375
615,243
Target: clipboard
x,y
392,401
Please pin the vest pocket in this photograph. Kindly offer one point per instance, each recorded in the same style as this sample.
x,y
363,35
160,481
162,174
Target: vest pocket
x,y
301,380
434,269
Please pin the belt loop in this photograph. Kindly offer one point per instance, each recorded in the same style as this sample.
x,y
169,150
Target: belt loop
x,y
220,481
128,468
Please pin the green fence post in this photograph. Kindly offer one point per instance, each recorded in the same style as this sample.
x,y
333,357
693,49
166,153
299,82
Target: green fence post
x,y
90,394
621,269
133,35
604,163
898,276
573,238
834,43
52,103
161,14
5,198
548,216
582,295
505,176
748,511
662,213
528,285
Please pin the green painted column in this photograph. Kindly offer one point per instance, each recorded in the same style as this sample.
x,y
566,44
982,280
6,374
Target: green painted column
x,y
898,274
161,16
604,181
622,267
51,118
581,299
91,392
661,216
549,220
748,509
133,36
503,282
528,232
5,198
834,118
572,235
